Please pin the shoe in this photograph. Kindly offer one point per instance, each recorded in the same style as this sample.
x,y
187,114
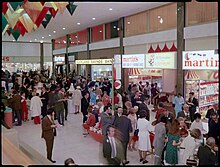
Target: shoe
x,y
130,149
141,159
162,163
85,133
134,149
145,161
52,161
65,119
124,163
75,113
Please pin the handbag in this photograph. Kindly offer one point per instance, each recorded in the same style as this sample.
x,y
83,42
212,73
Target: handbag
x,y
136,132
54,132
191,162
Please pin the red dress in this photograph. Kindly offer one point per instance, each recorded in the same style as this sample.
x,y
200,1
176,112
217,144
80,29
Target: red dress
x,y
90,122
24,109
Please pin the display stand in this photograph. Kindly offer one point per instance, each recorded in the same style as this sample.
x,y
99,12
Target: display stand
x,y
205,91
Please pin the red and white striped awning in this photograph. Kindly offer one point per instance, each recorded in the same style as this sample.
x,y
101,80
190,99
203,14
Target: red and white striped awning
x,y
191,75
134,71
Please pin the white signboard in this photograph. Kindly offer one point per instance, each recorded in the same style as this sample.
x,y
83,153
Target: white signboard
x,y
166,60
117,67
94,61
133,61
207,59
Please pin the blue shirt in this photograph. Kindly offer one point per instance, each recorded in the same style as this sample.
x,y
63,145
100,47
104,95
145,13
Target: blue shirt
x,y
178,101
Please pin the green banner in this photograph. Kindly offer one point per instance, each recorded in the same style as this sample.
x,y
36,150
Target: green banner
x,y
15,5
4,22
71,8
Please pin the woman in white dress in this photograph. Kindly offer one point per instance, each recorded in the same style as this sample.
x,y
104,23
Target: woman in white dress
x,y
77,96
144,144
189,146
35,107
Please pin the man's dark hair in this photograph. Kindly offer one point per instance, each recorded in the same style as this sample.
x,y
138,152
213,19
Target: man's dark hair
x,y
163,119
143,114
106,108
50,111
197,115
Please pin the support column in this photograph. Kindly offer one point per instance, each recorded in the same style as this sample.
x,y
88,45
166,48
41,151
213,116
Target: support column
x,y
67,54
180,45
88,67
53,66
124,78
42,56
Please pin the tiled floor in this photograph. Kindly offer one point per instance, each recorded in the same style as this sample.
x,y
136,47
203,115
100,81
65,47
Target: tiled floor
x,y
70,142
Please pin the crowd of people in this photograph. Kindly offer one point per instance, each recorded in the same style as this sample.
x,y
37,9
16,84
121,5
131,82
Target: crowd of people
x,y
126,125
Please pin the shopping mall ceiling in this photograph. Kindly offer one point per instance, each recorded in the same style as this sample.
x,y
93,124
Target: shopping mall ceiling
x,y
87,14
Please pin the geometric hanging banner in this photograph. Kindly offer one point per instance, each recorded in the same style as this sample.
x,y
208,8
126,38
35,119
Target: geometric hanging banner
x,y
26,16
15,5
15,33
71,8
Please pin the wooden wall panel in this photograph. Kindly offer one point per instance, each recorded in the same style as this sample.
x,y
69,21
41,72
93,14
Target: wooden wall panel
x,y
200,12
163,18
136,24
104,53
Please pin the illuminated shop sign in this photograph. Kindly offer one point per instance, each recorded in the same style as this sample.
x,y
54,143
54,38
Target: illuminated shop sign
x,y
200,60
166,60
133,61
59,59
94,61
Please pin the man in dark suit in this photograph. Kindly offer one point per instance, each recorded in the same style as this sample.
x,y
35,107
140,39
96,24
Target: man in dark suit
x,y
107,119
206,154
112,147
123,124
84,106
45,98
15,103
185,113
193,103
210,111
48,132
143,106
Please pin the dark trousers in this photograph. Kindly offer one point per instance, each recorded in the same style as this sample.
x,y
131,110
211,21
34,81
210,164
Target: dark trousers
x,y
192,112
60,117
125,146
164,149
49,145
66,109
113,161
84,118
44,110
19,116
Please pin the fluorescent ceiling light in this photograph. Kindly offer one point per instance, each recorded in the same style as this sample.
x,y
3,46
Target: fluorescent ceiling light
x,y
42,37
93,18
49,35
129,22
110,9
78,23
64,28
54,31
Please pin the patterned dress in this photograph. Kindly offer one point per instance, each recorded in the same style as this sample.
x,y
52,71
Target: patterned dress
x,y
171,151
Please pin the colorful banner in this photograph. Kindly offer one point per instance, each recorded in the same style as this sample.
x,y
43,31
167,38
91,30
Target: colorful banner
x,y
164,60
117,67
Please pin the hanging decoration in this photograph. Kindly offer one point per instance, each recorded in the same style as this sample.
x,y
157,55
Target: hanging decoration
x,y
158,48
23,17
165,48
173,48
151,50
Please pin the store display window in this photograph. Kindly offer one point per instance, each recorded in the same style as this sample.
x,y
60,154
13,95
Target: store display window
x,y
73,39
112,30
101,71
82,37
60,43
97,33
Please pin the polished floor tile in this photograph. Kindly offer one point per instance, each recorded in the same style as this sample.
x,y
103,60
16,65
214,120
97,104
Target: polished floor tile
x,y
70,142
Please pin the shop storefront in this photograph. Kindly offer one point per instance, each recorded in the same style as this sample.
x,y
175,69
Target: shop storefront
x,y
201,77
59,63
157,68
24,64
100,68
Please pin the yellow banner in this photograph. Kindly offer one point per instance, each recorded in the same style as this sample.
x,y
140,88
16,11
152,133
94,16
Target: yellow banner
x,y
94,61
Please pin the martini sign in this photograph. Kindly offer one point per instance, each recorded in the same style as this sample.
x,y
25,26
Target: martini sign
x,y
207,60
